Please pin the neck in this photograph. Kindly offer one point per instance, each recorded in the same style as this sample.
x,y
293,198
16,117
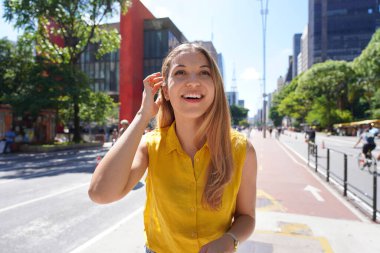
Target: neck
x,y
186,131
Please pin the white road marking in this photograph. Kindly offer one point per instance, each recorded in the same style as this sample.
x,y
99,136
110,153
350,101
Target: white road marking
x,y
107,231
42,198
315,192
358,214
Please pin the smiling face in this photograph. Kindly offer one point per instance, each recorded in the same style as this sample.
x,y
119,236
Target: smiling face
x,y
189,85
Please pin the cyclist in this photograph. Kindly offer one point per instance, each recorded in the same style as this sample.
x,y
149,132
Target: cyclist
x,y
310,135
368,138
310,139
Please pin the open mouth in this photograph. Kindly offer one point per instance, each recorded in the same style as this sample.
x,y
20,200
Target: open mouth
x,y
193,97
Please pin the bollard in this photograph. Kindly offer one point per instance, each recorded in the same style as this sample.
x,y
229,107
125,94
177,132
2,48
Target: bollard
x,y
374,195
316,157
328,166
345,176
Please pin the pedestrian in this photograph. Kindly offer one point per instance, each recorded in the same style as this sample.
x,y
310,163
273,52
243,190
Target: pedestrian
x,y
201,174
114,136
10,136
124,125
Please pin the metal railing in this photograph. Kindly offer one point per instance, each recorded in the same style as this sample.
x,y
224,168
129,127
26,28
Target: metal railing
x,y
312,156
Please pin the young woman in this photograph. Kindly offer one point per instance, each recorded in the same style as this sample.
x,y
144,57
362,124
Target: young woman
x,y
201,178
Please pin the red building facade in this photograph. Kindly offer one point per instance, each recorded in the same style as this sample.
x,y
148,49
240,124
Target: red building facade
x,y
131,59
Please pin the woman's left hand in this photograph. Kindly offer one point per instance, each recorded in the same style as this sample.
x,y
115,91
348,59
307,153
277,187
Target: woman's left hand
x,y
224,244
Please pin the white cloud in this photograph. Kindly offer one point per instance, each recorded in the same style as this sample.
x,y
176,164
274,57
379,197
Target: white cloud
x,y
250,73
158,12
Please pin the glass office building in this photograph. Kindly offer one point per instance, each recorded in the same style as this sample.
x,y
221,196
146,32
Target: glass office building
x,y
103,72
340,29
160,36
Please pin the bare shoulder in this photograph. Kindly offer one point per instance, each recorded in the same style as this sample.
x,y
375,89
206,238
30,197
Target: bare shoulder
x,y
251,159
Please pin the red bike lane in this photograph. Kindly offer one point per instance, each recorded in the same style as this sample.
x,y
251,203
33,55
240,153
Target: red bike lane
x,y
286,184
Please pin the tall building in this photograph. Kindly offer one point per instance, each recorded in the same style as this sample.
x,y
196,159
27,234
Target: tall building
x,y
218,57
221,65
160,37
302,58
145,43
103,72
289,73
233,95
296,51
340,30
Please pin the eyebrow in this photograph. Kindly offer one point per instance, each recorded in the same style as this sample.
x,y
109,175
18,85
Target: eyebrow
x,y
181,65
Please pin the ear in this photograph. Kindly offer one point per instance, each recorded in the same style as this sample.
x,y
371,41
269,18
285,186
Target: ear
x,y
166,92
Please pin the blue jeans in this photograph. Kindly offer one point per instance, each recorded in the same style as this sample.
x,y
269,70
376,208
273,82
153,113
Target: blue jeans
x,y
147,250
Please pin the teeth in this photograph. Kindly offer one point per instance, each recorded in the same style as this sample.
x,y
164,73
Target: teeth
x,y
192,96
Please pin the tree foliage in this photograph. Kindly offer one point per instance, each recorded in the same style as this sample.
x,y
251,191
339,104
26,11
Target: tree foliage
x,y
367,68
62,30
334,91
238,114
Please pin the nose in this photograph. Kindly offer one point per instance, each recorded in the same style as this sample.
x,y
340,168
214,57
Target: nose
x,y
193,80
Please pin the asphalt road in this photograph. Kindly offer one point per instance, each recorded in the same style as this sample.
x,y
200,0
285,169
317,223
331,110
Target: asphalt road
x,y
44,206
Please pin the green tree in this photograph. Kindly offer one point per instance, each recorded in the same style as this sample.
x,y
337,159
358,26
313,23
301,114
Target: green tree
x,y
62,30
99,108
295,105
330,81
238,114
275,114
323,113
367,67
22,80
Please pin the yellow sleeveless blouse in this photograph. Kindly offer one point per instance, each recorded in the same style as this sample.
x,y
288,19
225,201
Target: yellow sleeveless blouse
x,y
174,218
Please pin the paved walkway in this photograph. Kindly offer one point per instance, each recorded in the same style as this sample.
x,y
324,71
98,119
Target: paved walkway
x,y
297,212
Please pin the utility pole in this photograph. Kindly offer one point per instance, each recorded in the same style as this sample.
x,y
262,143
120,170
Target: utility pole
x,y
264,13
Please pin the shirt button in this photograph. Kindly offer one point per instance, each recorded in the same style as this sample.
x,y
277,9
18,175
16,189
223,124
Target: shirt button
x,y
197,159
194,234
192,209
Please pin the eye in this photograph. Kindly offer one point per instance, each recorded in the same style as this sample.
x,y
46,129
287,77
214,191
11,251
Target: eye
x,y
179,72
205,73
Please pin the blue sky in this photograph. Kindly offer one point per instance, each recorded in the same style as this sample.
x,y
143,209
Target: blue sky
x,y
237,34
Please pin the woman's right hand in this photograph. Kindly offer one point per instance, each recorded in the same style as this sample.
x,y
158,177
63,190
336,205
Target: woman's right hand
x,y
152,84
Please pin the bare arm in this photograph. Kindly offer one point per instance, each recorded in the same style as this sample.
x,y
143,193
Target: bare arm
x,y
360,138
244,220
245,216
125,163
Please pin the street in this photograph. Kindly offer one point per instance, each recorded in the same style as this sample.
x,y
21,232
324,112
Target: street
x,y
358,182
44,206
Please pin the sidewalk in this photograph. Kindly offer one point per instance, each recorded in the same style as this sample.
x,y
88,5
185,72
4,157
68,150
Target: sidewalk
x,y
291,216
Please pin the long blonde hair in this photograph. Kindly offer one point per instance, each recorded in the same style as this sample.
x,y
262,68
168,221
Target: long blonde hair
x,y
216,127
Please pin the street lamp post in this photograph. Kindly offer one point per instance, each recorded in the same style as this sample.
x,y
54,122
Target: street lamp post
x,y
264,13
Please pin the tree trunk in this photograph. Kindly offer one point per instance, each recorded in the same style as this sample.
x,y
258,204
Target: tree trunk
x,y
77,137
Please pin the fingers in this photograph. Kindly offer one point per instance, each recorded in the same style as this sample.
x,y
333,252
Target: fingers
x,y
153,81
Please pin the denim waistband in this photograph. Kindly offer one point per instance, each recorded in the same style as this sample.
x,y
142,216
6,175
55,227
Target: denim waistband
x,y
147,250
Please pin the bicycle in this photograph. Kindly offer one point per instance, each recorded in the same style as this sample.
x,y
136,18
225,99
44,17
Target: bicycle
x,y
312,147
369,161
